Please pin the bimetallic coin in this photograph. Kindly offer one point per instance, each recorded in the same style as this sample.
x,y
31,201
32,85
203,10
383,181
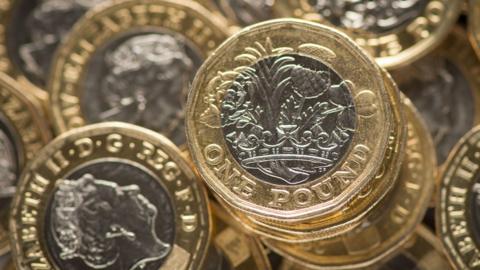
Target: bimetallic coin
x,y
444,86
233,249
424,254
134,66
110,196
389,226
326,226
396,32
458,213
31,32
23,131
281,126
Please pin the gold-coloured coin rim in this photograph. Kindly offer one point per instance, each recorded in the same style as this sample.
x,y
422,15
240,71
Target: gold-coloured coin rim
x,y
24,114
112,141
248,193
452,202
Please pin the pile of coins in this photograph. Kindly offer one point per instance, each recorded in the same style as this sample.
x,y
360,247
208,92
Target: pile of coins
x,y
239,134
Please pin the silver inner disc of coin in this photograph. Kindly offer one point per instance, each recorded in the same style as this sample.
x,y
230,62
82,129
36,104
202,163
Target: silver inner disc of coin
x,y
36,29
377,16
141,78
444,98
110,215
288,119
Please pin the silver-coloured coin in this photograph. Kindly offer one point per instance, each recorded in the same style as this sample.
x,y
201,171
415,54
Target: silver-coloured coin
x,y
444,98
141,78
377,16
288,119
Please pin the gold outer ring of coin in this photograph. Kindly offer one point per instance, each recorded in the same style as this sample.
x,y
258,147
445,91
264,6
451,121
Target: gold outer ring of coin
x,y
390,225
244,252
6,64
26,119
328,226
426,252
208,146
106,142
100,25
456,195
397,47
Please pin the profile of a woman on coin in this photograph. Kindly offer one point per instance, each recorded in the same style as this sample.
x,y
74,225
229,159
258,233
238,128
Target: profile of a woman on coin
x,y
105,224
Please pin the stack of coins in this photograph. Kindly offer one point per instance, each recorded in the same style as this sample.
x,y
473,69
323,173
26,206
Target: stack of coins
x,y
239,134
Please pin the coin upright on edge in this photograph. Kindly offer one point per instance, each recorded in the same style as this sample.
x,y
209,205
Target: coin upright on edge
x,y
132,61
23,131
445,87
30,32
425,253
396,35
232,248
110,196
458,200
388,227
321,227
280,124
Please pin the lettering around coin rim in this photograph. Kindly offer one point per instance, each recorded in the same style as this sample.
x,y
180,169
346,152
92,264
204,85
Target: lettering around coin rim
x,y
392,48
104,25
390,224
457,213
45,199
238,66
27,130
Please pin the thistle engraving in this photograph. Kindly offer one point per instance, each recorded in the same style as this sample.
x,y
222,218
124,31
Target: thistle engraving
x,y
286,118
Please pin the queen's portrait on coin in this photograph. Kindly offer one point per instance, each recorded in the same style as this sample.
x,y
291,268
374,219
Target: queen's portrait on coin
x,y
145,83
105,224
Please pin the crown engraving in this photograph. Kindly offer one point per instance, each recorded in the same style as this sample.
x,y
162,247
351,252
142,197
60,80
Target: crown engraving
x,y
287,118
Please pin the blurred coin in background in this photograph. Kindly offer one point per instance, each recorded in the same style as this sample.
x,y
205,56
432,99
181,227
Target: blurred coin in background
x,y
23,131
242,12
445,88
395,32
132,62
32,31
